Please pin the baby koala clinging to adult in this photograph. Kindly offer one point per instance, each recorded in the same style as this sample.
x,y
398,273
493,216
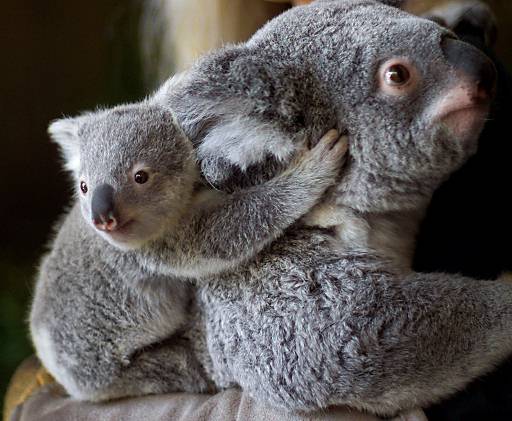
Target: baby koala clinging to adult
x,y
140,188
318,319
101,316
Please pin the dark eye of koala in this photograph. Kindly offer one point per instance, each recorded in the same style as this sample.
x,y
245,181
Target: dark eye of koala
x,y
141,177
397,75
83,187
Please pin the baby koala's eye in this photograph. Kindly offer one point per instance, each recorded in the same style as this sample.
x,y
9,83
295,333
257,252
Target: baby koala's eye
x,y
141,177
397,75
83,187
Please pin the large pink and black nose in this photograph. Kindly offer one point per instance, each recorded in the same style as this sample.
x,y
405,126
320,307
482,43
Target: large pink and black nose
x,y
473,64
103,208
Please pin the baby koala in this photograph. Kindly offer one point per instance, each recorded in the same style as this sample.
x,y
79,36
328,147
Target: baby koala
x,y
139,188
99,305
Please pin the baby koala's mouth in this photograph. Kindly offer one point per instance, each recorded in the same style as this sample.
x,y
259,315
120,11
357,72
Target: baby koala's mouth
x,y
125,236
122,228
114,226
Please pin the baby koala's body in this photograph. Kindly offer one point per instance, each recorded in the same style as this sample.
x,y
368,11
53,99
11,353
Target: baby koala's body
x,y
95,309
102,317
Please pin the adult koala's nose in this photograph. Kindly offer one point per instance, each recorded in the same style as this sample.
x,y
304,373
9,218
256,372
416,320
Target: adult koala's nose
x,y
103,209
473,65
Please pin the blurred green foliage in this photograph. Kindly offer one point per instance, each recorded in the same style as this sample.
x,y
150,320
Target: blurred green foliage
x,y
15,290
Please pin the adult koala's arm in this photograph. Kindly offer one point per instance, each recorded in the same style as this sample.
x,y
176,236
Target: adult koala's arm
x,y
349,332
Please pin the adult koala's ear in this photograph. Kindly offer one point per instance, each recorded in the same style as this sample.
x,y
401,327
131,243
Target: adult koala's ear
x,y
394,3
64,133
472,21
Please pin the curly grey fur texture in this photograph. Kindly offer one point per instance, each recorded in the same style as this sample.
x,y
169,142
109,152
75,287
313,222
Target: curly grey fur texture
x,y
305,327
329,313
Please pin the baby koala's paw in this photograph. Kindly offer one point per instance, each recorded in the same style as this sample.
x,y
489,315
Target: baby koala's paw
x,y
322,162
330,150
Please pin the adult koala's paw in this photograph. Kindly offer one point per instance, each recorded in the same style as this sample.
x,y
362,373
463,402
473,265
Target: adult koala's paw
x,y
472,21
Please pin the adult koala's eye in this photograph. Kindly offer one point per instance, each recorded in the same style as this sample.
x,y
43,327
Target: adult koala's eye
x,y
141,177
83,187
397,75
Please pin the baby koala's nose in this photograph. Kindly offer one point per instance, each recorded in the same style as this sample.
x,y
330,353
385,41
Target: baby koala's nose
x,y
102,208
474,65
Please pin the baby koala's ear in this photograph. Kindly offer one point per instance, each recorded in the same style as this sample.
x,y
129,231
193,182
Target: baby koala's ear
x,y
64,133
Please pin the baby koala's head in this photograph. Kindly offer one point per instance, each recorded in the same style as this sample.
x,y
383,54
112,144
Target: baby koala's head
x,y
133,168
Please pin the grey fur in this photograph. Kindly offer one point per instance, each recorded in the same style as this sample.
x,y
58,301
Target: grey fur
x,y
99,321
331,313
306,327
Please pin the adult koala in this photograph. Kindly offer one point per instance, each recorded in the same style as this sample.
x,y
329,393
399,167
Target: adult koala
x,y
331,313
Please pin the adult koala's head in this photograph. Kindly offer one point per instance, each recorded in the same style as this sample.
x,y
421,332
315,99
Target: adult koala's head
x,y
133,170
414,100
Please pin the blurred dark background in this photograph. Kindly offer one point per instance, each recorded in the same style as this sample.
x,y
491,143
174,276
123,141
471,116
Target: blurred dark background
x,y
59,58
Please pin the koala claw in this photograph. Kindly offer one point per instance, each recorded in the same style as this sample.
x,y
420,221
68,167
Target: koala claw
x,y
327,140
329,152
340,147
330,141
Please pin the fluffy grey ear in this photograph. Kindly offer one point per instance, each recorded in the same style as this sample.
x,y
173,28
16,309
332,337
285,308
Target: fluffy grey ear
x,y
64,132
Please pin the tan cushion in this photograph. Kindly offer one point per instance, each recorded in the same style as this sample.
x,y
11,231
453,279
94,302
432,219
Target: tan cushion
x,y
33,395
